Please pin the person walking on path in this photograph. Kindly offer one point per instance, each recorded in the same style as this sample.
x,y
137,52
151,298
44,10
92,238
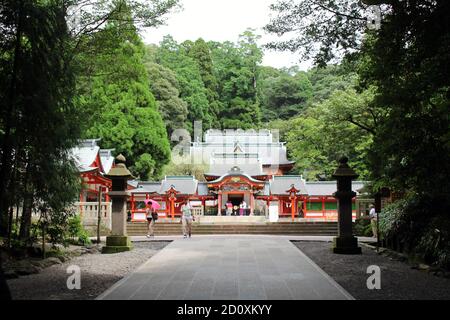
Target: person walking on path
x,y
151,215
373,220
187,219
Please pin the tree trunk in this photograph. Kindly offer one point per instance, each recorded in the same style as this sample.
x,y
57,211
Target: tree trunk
x,y
6,159
10,225
43,237
25,221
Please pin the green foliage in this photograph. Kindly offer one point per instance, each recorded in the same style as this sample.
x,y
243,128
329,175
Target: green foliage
x,y
164,86
405,63
192,89
200,52
122,109
421,226
38,119
326,80
284,95
76,232
362,227
341,125
236,69
318,30
196,170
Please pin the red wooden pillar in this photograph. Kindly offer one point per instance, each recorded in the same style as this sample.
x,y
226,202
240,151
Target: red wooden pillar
x,y
132,203
323,206
305,199
293,208
204,205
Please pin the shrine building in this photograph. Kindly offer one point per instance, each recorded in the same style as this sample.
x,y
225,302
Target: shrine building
x,y
244,167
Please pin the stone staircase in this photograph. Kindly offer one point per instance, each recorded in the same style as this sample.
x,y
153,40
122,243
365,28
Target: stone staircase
x,y
278,228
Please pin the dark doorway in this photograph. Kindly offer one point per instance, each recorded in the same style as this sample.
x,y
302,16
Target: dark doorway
x,y
236,200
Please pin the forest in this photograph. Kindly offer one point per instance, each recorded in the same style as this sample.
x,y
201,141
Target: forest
x,y
379,96
225,86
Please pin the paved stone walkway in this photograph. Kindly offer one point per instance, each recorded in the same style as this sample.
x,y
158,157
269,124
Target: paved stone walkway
x,y
237,268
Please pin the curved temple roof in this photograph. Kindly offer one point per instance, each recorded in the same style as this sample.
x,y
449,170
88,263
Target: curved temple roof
x,y
86,153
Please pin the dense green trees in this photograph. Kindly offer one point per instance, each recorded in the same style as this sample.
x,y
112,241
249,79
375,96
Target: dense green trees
x,y
405,61
164,86
236,68
122,110
284,96
341,125
39,122
52,57
175,57
216,81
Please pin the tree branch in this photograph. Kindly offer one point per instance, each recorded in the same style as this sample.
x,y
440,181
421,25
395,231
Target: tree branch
x,y
362,126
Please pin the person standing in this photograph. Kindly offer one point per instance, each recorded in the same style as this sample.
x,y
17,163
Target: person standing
x,y
229,208
373,220
187,219
150,220
242,208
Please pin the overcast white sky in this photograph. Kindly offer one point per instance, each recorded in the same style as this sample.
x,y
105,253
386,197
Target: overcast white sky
x,y
222,20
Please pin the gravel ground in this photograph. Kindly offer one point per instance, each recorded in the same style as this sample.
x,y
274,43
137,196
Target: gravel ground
x,y
399,281
98,273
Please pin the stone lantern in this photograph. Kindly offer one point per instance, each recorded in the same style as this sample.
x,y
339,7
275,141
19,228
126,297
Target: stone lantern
x,y
118,241
345,243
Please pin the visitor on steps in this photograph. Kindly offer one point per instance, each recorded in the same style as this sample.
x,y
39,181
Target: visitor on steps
x,y
242,208
229,208
186,219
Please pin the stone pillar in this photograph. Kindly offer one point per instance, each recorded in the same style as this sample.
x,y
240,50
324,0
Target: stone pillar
x,y
345,243
118,241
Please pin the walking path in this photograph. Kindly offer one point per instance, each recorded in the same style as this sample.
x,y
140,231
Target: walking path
x,y
232,268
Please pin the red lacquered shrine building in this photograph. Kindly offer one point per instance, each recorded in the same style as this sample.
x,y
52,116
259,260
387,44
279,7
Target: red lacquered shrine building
x,y
248,170
93,164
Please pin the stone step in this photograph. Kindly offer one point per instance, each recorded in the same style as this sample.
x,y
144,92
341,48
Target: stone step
x,y
230,228
306,228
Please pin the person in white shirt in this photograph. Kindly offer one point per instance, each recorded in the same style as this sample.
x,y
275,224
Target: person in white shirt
x,y
242,208
373,220
187,219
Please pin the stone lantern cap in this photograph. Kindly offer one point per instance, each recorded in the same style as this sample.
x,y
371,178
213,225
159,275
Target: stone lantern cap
x,y
344,170
120,170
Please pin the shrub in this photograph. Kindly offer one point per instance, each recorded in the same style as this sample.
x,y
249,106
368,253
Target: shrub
x,y
420,225
76,231
362,227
